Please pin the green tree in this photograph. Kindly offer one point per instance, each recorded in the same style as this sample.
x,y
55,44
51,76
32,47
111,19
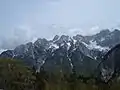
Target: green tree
x,y
14,75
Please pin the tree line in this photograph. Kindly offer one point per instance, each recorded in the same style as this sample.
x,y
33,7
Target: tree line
x,y
14,75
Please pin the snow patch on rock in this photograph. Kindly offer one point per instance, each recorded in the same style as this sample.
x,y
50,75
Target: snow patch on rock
x,y
69,45
93,45
54,46
2,50
102,39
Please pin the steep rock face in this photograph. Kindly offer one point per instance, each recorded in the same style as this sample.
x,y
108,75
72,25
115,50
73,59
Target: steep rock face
x,y
30,53
110,64
106,38
65,53
61,54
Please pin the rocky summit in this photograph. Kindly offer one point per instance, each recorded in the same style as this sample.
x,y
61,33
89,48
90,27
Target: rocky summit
x,y
65,53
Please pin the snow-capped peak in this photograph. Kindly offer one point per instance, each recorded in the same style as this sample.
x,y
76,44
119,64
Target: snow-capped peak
x,y
52,45
93,45
2,50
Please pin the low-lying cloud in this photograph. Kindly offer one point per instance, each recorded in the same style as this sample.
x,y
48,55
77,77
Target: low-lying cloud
x,y
84,32
17,36
23,34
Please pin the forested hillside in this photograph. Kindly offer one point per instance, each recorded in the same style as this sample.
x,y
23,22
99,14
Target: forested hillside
x,y
14,75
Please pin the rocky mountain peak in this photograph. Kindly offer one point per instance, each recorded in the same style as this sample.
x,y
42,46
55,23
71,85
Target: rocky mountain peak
x,y
65,52
56,38
105,32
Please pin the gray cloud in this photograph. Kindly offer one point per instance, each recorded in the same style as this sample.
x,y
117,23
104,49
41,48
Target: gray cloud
x,y
25,20
23,34
17,36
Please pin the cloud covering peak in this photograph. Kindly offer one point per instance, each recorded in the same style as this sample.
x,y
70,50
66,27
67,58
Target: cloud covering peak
x,y
25,20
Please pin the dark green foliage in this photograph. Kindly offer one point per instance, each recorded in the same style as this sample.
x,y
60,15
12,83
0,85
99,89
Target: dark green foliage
x,y
14,75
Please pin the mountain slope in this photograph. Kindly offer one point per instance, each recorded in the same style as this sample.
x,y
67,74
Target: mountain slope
x,y
110,65
65,53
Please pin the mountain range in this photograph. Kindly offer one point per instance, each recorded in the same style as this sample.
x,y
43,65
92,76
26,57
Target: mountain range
x,y
64,53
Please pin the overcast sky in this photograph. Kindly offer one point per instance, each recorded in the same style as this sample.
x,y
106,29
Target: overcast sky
x,y
24,20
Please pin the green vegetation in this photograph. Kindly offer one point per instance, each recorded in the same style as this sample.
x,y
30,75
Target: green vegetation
x,y
14,75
